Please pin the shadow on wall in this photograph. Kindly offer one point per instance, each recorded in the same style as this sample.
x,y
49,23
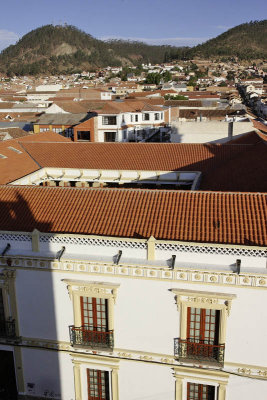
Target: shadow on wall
x,y
37,368
176,137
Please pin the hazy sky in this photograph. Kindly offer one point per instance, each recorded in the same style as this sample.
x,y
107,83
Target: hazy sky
x,y
176,22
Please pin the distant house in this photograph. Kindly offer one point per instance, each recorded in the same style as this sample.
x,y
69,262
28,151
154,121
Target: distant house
x,y
78,126
129,120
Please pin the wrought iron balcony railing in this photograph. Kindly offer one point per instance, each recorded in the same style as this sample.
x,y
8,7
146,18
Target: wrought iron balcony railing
x,y
90,336
198,351
8,329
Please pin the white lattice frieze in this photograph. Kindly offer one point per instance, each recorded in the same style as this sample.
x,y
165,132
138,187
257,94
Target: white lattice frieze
x,y
232,251
83,240
15,237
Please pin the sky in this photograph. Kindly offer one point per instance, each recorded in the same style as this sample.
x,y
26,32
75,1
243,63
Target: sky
x,y
174,22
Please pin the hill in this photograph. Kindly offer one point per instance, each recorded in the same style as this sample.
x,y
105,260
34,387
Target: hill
x,y
66,49
246,41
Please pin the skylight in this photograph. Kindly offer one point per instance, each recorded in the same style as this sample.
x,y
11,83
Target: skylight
x,y
15,150
2,156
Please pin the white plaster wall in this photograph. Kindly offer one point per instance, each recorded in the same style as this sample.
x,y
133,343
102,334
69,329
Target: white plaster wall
x,y
50,371
213,260
246,388
145,314
204,132
145,381
93,250
48,88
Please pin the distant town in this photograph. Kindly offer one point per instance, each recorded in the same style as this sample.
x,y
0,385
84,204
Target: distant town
x,y
192,101
133,234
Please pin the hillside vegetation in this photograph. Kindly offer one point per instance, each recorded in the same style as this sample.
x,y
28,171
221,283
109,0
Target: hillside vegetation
x,y
65,49
246,41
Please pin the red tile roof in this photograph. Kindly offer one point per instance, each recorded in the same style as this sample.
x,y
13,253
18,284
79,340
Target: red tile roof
x,y
246,138
15,165
222,166
140,156
48,136
230,218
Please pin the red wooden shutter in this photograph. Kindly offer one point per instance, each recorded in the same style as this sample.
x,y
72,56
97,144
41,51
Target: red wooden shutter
x,y
196,391
98,384
94,313
203,325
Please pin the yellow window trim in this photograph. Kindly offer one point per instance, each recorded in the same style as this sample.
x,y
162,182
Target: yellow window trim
x,y
200,299
95,362
103,290
183,375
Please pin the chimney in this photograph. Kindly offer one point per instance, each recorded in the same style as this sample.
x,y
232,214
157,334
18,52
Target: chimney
x,y
230,130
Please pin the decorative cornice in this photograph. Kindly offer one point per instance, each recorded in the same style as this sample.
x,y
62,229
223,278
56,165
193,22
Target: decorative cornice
x,y
94,289
246,370
203,299
185,275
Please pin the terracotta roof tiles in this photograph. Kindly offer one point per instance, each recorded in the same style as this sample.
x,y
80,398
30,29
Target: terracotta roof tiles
x,y
14,165
222,166
170,215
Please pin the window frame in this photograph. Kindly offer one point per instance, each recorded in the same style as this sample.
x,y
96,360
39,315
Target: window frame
x,y
204,300
146,117
99,362
185,375
106,121
103,290
98,373
200,394
208,300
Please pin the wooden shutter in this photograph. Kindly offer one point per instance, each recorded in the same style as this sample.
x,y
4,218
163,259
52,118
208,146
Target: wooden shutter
x,y
98,384
94,313
203,325
196,391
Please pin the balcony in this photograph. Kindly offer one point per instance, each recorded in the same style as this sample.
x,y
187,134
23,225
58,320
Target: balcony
x,y
90,336
8,329
187,350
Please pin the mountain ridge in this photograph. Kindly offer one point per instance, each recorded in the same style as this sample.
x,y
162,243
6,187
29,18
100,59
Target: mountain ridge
x,y
67,49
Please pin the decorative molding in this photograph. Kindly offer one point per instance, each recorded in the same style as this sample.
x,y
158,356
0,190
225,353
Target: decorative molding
x,y
203,299
253,371
94,289
185,275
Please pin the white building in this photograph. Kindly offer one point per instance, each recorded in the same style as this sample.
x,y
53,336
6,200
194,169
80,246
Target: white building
x,y
130,293
124,121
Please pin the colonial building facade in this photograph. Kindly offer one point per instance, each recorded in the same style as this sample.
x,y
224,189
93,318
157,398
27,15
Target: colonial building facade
x,y
130,293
